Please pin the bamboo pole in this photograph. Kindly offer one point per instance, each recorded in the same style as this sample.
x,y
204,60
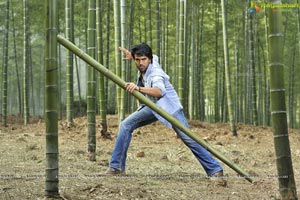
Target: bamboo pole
x,y
51,101
92,62
287,185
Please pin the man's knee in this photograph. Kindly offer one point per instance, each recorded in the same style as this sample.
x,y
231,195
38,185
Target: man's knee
x,y
126,125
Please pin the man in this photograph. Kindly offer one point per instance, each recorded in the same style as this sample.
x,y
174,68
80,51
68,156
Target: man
x,y
154,83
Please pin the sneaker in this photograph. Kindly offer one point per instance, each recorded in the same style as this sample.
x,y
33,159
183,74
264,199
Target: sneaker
x,y
114,171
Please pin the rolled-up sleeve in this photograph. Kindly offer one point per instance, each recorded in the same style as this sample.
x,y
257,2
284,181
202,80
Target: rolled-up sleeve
x,y
157,76
158,82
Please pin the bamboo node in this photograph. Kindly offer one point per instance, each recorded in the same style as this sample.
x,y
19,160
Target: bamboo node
x,y
276,64
280,136
276,35
278,112
277,90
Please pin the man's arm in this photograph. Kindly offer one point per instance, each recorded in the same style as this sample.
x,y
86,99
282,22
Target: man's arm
x,y
127,53
154,92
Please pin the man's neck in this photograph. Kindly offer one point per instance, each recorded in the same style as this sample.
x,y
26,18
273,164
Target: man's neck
x,y
143,73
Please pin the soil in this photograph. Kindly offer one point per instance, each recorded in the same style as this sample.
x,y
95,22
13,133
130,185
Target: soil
x,y
159,165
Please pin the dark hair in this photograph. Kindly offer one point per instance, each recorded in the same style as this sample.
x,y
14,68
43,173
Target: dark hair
x,y
142,49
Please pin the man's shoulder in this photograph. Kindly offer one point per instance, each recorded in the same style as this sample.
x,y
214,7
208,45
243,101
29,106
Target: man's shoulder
x,y
155,58
156,69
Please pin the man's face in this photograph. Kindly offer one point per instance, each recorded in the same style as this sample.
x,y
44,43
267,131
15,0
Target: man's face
x,y
141,62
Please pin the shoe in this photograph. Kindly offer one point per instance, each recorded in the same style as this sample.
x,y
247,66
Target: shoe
x,y
114,171
218,179
218,174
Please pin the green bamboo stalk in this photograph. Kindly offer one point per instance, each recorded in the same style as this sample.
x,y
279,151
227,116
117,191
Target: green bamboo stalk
x,y
69,64
158,27
130,103
78,84
51,100
26,57
292,87
162,45
192,72
31,77
107,45
217,80
149,24
123,67
117,51
92,62
91,82
252,70
4,70
298,36
60,110
237,78
244,82
186,55
175,71
101,84
285,172
200,73
166,39
146,33
267,81
16,63
260,97
197,64
227,72
181,52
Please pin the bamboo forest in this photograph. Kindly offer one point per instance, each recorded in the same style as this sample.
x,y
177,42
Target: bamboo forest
x,y
73,83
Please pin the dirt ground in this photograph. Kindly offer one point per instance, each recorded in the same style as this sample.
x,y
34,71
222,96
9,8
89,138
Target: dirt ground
x,y
159,166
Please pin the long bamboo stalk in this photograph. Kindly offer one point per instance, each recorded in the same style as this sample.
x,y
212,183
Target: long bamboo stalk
x,y
287,186
252,70
91,82
26,64
181,53
51,100
92,62
101,80
117,29
16,63
227,71
123,38
4,70
69,65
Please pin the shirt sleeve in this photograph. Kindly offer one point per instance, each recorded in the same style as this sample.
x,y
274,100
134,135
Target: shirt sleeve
x,y
158,82
157,77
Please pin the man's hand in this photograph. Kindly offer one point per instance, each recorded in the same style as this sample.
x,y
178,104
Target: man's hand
x,y
154,92
127,53
130,87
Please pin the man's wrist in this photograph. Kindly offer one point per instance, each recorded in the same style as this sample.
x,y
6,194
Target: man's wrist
x,y
129,55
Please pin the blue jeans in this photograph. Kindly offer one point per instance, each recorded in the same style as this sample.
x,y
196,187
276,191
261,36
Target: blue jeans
x,y
145,116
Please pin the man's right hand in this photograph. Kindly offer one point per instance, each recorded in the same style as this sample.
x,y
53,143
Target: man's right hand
x,y
127,53
130,87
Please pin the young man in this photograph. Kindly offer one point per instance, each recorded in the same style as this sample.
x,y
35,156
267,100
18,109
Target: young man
x,y
154,83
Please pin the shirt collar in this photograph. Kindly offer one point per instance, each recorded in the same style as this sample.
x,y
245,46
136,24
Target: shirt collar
x,y
148,71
